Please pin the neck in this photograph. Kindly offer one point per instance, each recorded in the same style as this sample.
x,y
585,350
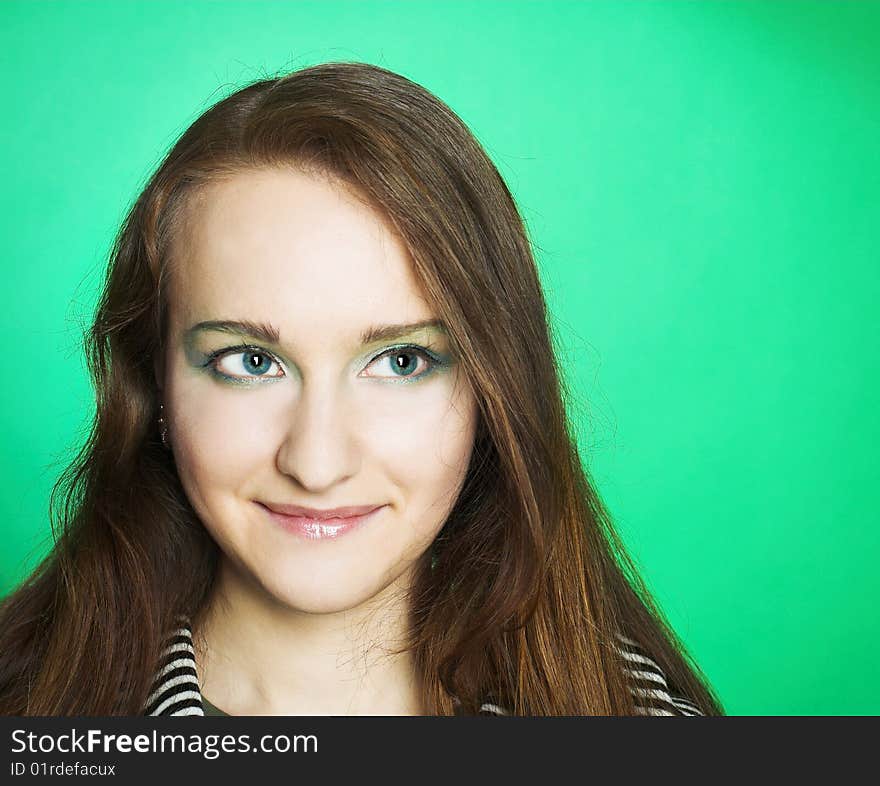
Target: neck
x,y
256,656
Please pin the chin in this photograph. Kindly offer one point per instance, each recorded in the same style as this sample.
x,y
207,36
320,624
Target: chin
x,y
331,600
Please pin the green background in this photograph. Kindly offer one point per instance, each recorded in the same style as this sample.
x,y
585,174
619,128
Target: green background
x,y
700,180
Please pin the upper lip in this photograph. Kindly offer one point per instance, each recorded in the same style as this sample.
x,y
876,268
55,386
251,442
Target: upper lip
x,y
317,513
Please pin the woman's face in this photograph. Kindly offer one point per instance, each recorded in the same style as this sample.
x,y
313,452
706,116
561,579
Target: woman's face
x,y
317,416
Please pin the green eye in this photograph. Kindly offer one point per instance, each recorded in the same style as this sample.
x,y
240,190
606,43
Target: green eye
x,y
404,361
407,363
254,362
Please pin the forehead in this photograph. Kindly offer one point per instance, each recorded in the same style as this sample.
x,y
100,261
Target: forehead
x,y
294,249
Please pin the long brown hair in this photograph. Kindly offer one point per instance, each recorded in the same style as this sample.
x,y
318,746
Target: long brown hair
x,y
531,585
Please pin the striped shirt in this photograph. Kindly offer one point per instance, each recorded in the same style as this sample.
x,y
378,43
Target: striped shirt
x,y
176,689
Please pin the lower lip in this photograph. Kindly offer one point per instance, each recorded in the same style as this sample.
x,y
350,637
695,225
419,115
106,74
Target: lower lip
x,y
320,529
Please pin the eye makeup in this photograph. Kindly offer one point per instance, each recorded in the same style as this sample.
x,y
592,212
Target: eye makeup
x,y
212,361
435,361
432,359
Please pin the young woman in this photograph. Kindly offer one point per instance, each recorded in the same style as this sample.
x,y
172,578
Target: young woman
x,y
330,470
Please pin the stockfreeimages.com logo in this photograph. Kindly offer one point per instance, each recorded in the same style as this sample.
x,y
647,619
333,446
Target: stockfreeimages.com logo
x,y
208,745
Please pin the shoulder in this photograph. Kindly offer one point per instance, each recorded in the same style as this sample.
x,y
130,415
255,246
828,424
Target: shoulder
x,y
175,689
648,683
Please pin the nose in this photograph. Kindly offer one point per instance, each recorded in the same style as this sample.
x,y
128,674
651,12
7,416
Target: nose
x,y
319,449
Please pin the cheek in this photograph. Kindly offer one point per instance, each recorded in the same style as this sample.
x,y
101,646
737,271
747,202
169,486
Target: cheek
x,y
424,445
219,439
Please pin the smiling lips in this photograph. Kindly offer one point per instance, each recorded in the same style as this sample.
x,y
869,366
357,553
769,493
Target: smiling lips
x,y
315,524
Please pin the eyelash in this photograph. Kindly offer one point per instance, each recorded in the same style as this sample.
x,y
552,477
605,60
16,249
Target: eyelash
x,y
215,357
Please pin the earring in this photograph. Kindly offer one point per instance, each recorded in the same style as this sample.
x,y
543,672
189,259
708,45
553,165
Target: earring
x,y
163,427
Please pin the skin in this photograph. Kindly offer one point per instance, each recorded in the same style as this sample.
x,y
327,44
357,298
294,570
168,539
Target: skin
x,y
299,627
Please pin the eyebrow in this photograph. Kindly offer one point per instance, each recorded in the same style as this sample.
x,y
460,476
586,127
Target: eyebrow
x,y
267,332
